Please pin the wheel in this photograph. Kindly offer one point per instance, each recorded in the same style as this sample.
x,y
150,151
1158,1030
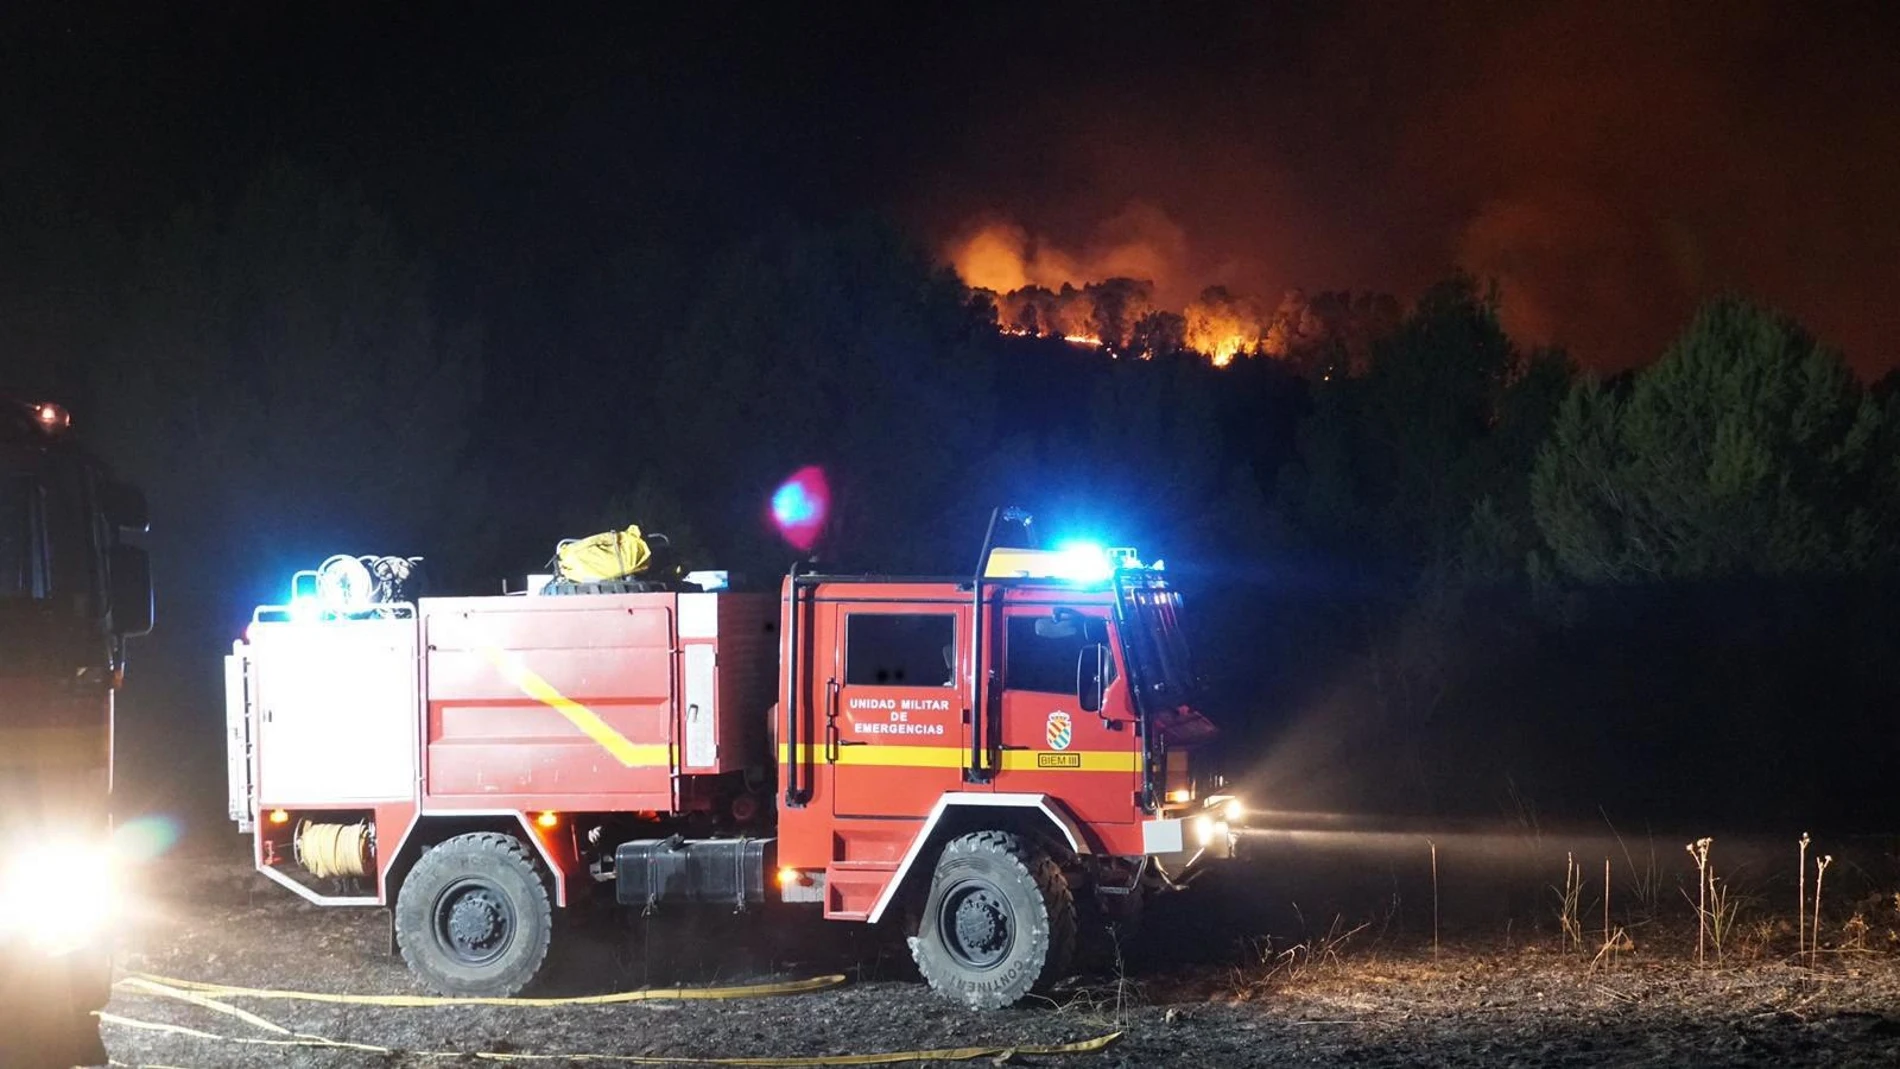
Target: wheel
x,y
998,923
473,917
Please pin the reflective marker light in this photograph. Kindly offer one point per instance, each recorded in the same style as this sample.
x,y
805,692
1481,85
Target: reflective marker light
x,y
547,820
278,816
1179,795
787,877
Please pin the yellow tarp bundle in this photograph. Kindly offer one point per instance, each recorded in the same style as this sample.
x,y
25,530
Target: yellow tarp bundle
x,y
603,557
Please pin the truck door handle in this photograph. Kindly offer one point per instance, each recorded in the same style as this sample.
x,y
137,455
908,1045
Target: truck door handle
x,y
831,720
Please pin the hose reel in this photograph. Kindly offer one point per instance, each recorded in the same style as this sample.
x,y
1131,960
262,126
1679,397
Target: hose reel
x,y
335,851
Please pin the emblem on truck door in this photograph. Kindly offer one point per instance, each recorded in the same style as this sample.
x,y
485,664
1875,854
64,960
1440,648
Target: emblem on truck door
x,y
1060,731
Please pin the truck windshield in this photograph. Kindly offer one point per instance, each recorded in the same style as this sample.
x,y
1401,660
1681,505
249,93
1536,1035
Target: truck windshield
x,y
1156,648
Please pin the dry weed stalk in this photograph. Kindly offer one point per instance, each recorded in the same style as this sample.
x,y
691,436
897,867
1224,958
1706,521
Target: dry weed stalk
x,y
1854,933
1699,850
1801,907
1820,875
1723,910
1569,904
1606,900
1617,942
1614,941
1645,880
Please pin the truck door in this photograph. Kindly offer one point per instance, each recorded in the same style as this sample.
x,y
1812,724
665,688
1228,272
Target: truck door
x,y
1088,758
893,734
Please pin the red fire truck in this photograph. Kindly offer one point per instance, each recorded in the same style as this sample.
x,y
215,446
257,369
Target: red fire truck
x,y
70,595
975,757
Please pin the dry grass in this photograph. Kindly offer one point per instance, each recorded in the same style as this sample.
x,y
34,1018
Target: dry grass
x,y
1274,969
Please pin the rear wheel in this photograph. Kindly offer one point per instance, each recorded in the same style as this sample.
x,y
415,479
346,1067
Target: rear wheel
x,y
999,921
473,918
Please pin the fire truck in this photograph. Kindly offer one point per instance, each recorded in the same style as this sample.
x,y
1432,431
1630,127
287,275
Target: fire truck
x,y
71,593
983,759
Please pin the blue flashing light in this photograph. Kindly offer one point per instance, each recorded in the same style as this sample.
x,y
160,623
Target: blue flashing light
x,y
305,608
1083,562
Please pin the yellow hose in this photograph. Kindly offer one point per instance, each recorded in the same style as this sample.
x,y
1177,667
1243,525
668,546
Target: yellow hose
x,y
650,994
198,994
334,851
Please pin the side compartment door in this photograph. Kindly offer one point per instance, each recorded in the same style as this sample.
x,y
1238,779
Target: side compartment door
x,y
335,704
893,733
1050,743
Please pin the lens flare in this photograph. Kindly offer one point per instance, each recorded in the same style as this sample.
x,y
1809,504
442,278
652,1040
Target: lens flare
x,y
799,507
144,838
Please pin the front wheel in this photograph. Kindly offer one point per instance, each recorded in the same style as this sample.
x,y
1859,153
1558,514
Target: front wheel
x,y
999,921
473,918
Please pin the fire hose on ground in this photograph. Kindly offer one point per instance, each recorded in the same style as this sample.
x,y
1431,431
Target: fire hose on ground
x,y
212,997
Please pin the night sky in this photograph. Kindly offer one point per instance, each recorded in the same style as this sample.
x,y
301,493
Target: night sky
x,y
1609,165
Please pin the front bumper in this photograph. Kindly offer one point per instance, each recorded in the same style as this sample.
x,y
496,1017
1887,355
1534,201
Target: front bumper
x,y
1187,839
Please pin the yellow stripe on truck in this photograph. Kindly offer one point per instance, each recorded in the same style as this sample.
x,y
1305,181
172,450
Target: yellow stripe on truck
x,y
624,750
886,756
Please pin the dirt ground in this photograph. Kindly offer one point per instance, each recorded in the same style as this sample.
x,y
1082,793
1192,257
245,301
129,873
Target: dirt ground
x,y
1361,992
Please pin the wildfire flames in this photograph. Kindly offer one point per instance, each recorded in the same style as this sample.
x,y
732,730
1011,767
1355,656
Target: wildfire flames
x,y
1084,300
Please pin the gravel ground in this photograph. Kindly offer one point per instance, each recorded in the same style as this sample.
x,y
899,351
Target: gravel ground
x,y
1340,1001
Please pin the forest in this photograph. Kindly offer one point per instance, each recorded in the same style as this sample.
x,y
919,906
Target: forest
x,y
1431,572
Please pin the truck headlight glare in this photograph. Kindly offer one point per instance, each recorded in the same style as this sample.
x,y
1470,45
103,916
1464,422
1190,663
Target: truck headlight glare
x,y
56,896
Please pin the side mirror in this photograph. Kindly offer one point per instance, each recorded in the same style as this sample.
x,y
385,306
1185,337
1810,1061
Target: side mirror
x,y
130,584
124,506
1092,668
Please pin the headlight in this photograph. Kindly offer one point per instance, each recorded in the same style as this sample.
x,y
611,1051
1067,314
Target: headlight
x,y
56,896
1226,807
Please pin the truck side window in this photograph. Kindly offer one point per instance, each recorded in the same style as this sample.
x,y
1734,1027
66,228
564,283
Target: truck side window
x,y
1042,653
22,560
899,649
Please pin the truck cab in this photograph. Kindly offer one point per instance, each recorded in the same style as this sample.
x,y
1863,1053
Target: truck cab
x,y
1032,720
70,595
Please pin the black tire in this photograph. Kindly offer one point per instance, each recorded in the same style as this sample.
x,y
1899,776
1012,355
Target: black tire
x,y
473,918
999,921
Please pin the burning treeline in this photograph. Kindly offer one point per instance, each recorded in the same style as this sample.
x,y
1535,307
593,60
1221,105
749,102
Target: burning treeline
x,y
1326,334
1043,292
